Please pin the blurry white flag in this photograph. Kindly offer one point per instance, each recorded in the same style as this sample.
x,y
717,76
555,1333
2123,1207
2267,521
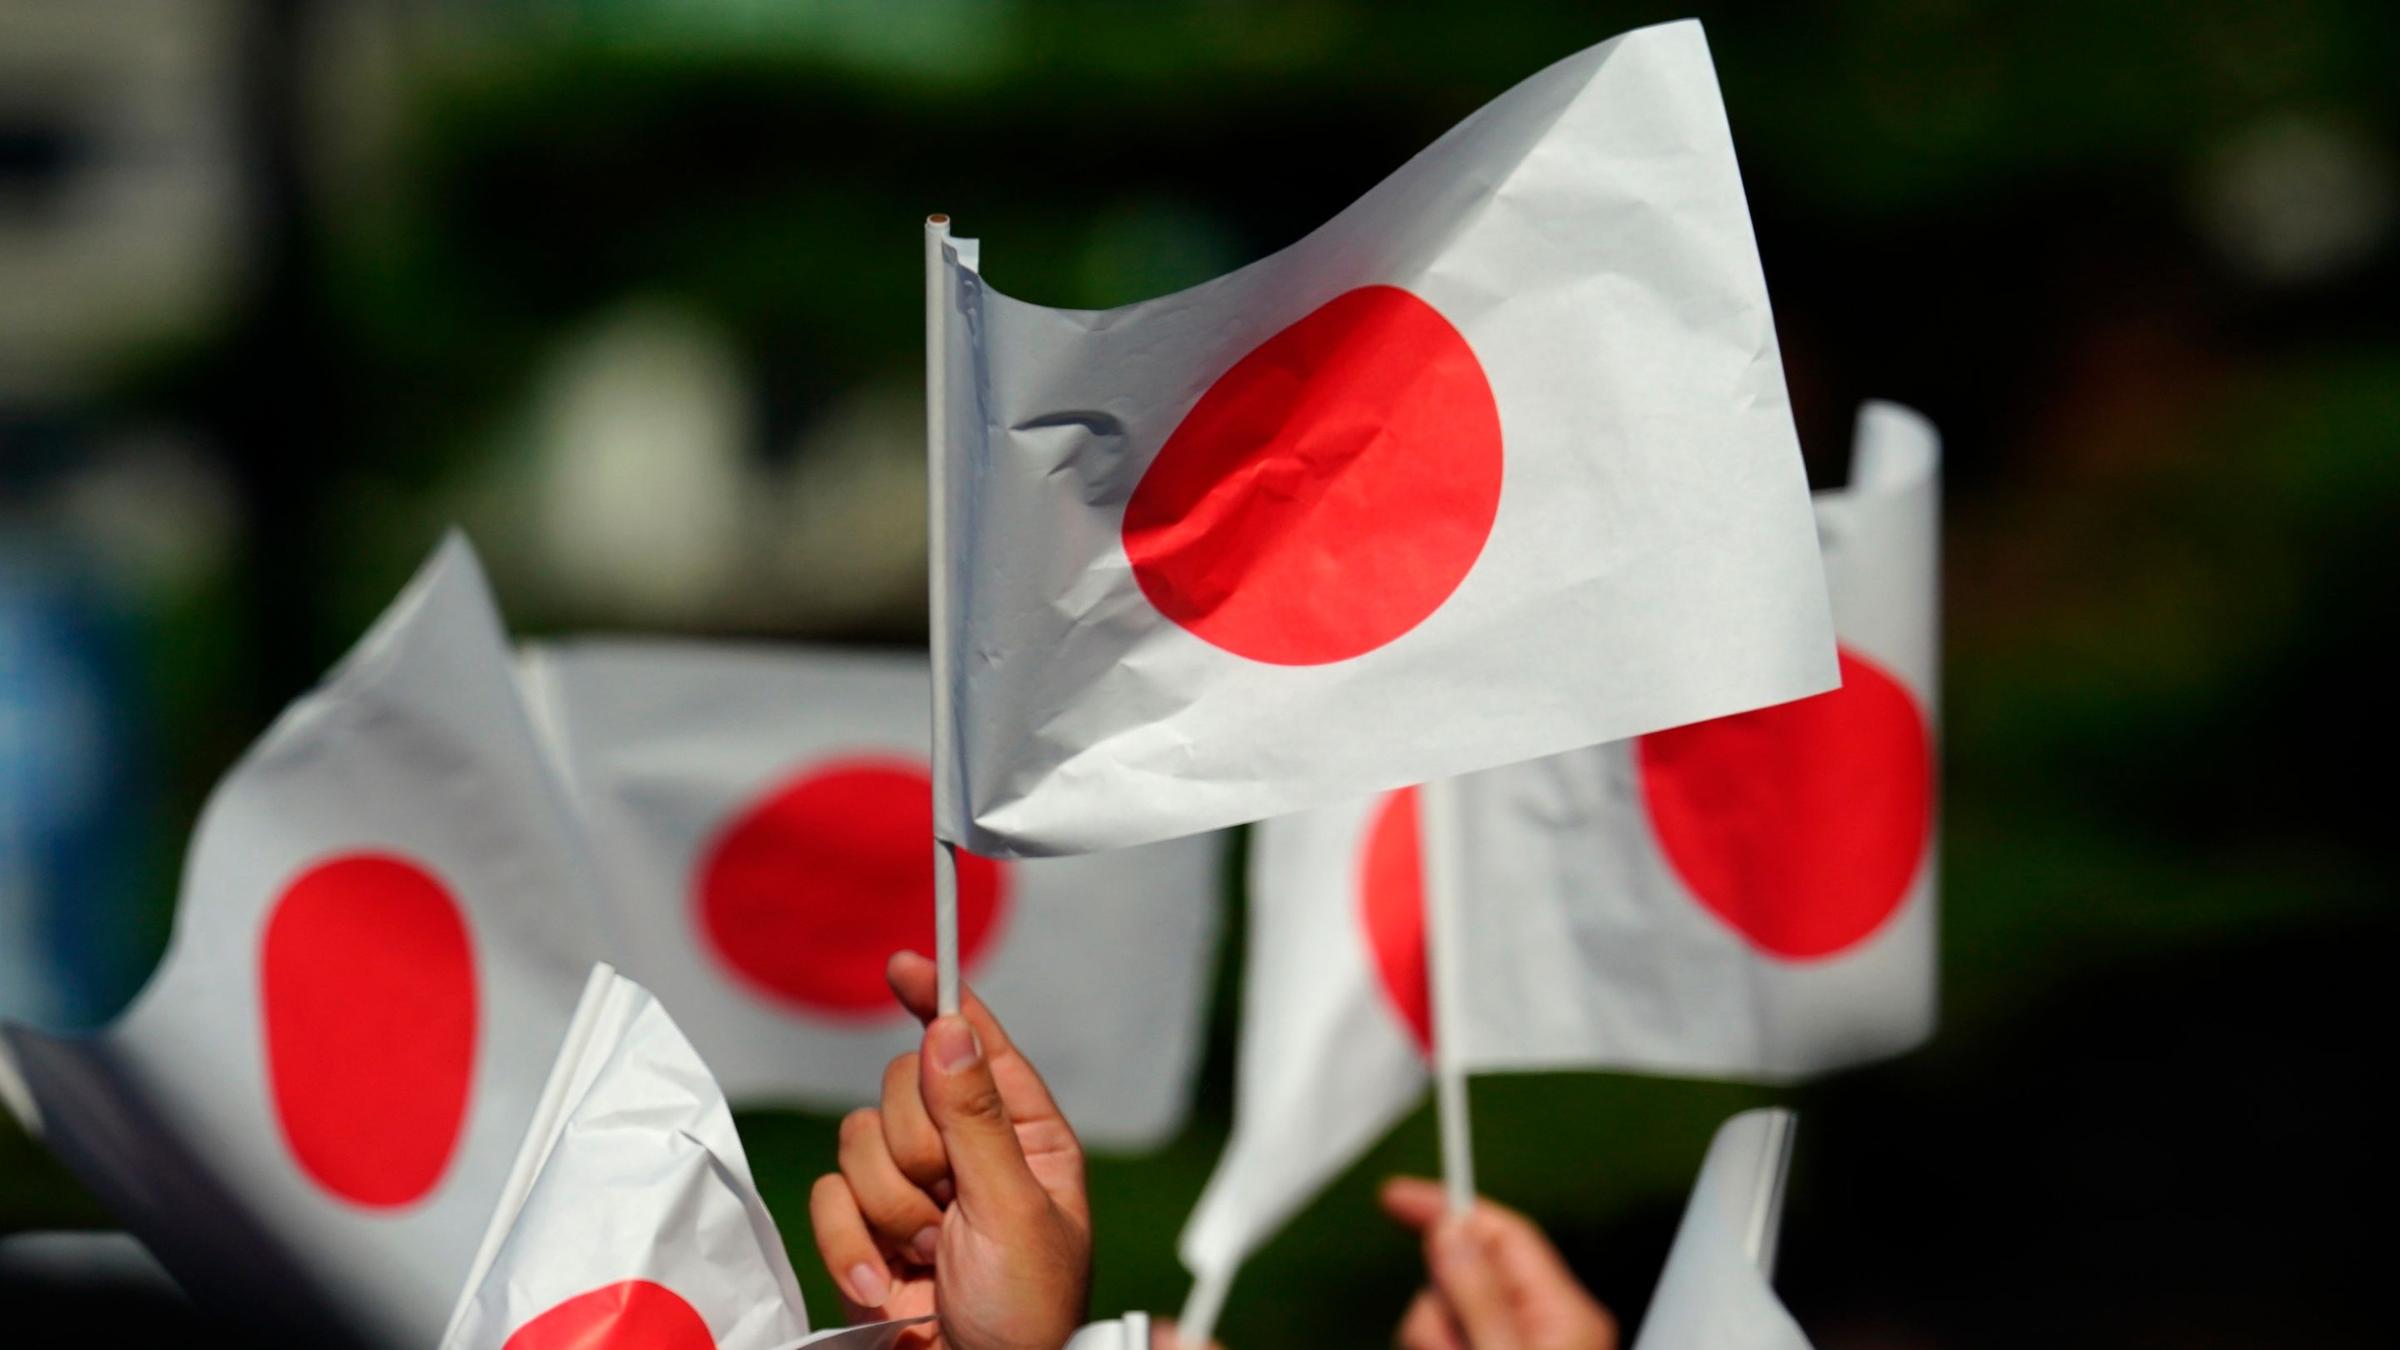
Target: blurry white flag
x,y
383,929
1716,1292
1752,898
763,816
1497,463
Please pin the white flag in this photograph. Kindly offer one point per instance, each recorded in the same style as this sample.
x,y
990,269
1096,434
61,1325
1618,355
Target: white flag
x,y
1495,464
629,1217
1334,1025
1715,1293
764,819
1752,898
630,1204
380,942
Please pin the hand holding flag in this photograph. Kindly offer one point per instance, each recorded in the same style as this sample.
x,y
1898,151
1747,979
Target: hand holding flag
x,y
963,1196
1498,1283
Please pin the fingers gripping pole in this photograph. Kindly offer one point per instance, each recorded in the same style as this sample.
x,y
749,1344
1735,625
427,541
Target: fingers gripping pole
x,y
937,604
1438,828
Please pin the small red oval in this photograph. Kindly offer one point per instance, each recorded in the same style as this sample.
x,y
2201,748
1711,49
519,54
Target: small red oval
x,y
368,999
1391,908
1803,825
1329,491
628,1315
807,894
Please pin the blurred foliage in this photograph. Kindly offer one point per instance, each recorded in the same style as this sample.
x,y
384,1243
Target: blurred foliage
x,y
2172,481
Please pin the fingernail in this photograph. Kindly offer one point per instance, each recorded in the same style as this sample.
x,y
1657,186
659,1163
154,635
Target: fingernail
x,y
952,1044
926,1243
868,1286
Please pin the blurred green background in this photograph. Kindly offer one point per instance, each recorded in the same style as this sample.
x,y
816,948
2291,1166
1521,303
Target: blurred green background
x,y
630,288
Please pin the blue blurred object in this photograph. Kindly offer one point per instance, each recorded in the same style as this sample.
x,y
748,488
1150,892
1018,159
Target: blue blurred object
x,y
70,942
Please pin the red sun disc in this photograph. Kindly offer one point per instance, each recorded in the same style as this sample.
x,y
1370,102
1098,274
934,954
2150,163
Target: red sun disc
x,y
628,1315
1391,910
1329,491
809,892
368,1000
1802,825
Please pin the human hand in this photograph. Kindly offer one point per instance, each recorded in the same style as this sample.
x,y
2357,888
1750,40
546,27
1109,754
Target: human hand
x,y
963,1195
1498,1284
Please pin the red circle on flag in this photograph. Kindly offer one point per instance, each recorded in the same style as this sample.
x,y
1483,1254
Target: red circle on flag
x,y
1802,825
367,996
1328,492
809,892
628,1315
1391,908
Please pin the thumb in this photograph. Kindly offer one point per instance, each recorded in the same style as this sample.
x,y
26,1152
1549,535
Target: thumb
x,y
1463,1270
987,1166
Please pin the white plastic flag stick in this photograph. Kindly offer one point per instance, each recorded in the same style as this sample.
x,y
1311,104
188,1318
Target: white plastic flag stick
x,y
1201,1308
1438,827
945,925
937,610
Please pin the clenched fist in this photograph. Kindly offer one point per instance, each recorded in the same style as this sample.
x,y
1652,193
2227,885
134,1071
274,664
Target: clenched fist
x,y
962,1196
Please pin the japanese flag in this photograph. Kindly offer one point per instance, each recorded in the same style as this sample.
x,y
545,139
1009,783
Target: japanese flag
x,y
764,819
1716,1291
1748,898
1751,899
383,930
1495,464
630,1217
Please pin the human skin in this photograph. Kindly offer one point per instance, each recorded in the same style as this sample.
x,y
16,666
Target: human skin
x,y
1497,1282
962,1195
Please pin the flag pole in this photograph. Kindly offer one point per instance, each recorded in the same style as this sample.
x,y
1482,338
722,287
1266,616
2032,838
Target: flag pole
x,y
1438,829
1198,1322
937,605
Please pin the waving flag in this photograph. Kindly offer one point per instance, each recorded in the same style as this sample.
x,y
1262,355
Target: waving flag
x,y
1495,464
630,1204
381,938
762,816
1752,898
630,1218
1334,1024
1747,898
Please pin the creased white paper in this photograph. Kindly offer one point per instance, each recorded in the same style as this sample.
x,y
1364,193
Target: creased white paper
x,y
631,1172
1650,562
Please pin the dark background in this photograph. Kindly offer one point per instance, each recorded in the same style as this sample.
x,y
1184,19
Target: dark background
x,y
631,290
